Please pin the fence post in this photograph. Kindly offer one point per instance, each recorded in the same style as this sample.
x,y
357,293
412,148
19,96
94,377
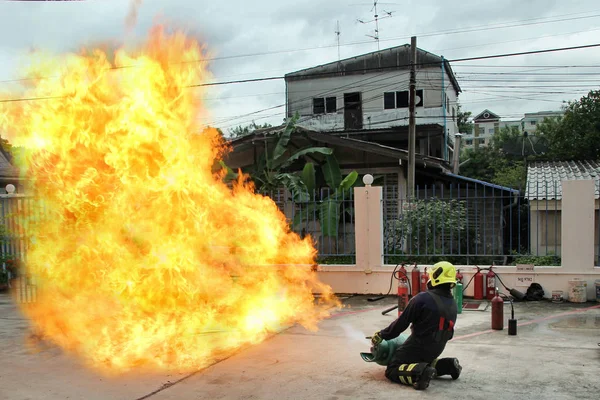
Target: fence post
x,y
368,225
577,223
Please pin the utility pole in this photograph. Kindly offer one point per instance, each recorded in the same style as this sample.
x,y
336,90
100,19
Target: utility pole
x,y
412,128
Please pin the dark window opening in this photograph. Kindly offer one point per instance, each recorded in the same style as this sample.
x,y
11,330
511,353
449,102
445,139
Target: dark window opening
x,y
402,99
389,100
419,98
319,106
331,105
393,100
322,105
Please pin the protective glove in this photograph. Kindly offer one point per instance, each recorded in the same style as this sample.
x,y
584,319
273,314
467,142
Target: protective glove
x,y
376,339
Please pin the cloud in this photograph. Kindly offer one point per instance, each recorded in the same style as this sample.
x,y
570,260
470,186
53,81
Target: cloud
x,y
239,27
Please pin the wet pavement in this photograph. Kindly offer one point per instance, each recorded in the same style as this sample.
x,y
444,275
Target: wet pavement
x,y
555,355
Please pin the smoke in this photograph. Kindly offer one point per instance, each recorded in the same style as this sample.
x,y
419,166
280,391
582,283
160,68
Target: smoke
x,y
131,19
354,334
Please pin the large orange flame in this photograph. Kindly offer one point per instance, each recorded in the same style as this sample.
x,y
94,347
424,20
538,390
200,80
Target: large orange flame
x,y
145,258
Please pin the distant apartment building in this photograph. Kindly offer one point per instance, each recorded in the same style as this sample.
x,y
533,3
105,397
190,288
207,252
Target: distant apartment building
x,y
487,123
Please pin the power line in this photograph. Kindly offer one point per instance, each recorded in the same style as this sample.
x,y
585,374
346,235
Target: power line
x,y
508,24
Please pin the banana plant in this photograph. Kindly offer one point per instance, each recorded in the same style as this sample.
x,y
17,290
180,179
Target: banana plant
x,y
328,207
270,172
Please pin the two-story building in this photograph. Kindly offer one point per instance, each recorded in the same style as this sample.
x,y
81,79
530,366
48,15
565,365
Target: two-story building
x,y
367,97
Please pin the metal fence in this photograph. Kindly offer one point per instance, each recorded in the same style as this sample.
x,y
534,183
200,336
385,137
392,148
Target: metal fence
x,y
327,216
468,224
471,224
16,212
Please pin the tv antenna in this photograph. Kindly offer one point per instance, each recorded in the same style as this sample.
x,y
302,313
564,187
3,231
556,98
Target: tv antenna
x,y
376,19
337,34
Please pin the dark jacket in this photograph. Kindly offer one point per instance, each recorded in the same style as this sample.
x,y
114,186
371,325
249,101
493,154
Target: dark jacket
x,y
422,311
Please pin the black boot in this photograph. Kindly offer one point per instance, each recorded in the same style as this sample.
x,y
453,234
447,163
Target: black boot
x,y
447,366
417,375
426,377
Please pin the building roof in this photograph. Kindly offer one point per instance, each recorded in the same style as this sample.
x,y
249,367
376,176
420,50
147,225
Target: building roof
x,y
486,115
334,140
394,58
544,179
7,170
483,183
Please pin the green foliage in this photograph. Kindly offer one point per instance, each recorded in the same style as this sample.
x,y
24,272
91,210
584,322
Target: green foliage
x,y
492,164
328,207
341,260
240,131
577,135
545,261
3,277
464,126
432,259
430,226
272,171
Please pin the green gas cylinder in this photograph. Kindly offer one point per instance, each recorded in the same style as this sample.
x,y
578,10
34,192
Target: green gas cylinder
x,y
382,353
457,293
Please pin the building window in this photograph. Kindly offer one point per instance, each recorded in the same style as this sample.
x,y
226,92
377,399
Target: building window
x,y
469,142
393,100
533,122
492,131
482,131
453,114
389,100
481,140
323,105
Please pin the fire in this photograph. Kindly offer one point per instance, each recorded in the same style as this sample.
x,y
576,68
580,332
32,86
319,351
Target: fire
x,y
146,260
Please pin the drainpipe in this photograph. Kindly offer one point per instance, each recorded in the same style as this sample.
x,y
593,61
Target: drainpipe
x,y
444,109
456,155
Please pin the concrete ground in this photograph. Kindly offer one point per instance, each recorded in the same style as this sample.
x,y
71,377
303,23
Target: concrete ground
x,y
554,356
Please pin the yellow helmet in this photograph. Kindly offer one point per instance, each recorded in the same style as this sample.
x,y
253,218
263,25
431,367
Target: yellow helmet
x,y
443,272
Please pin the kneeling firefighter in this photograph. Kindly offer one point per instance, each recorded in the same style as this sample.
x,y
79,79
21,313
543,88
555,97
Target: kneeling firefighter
x,y
433,315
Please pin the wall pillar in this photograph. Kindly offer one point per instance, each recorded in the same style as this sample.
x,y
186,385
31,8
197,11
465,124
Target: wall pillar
x,y
368,220
577,223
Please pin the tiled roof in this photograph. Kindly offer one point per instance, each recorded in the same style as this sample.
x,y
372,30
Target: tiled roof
x,y
544,178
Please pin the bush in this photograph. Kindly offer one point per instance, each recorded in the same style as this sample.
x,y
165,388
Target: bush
x,y
431,226
547,260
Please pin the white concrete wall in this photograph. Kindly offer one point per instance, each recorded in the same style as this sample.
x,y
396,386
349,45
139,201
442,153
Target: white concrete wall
x,y
371,276
372,86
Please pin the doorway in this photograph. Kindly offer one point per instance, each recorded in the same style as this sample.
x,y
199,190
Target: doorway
x,y
353,118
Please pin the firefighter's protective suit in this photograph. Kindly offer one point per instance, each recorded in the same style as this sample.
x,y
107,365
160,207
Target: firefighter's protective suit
x,y
432,315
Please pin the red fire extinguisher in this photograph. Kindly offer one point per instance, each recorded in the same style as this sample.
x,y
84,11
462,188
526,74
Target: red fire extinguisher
x,y
497,312
490,286
478,278
415,280
424,279
402,272
402,294
459,277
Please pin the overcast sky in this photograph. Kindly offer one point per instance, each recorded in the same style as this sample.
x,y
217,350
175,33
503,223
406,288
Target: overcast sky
x,y
292,30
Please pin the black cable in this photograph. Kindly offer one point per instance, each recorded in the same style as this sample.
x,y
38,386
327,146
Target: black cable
x,y
473,277
498,276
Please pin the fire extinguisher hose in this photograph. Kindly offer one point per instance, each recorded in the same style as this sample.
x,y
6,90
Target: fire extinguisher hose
x,y
395,274
390,289
468,283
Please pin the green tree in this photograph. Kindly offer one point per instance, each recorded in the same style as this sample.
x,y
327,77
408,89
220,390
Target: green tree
x,y
576,136
495,163
240,131
464,125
